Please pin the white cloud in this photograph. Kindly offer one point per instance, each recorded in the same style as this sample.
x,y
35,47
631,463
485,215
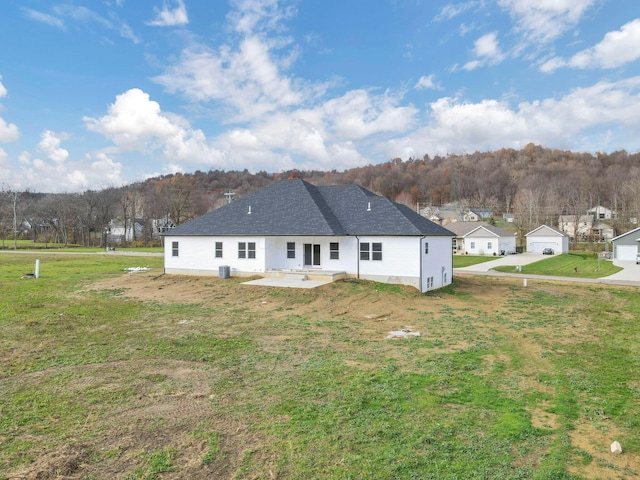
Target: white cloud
x,y
359,114
50,146
127,32
136,123
426,82
94,171
9,132
44,18
82,15
451,10
487,51
455,126
328,135
133,122
248,81
542,21
616,49
4,160
251,17
168,17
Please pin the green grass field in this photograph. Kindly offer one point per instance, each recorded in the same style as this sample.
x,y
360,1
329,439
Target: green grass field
x,y
573,264
205,378
460,261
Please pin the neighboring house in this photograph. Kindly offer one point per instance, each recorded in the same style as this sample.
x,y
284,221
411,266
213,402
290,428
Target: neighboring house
x,y
470,216
508,217
135,230
577,227
442,215
292,225
547,237
479,214
117,234
446,217
161,225
479,238
601,232
627,245
602,213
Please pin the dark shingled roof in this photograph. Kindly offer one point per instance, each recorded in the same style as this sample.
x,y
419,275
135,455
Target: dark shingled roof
x,y
295,207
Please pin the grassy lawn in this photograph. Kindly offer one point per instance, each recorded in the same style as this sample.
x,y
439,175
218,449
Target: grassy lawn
x,y
575,264
28,245
205,378
460,261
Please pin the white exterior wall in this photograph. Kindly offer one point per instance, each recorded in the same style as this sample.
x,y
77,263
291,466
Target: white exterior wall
x,y
506,244
277,258
196,255
537,244
402,258
437,264
481,242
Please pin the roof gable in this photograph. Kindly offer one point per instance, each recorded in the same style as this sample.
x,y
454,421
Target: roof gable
x,y
545,231
295,207
630,232
464,229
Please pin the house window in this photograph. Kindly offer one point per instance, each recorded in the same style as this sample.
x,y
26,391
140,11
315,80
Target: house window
x,y
376,251
489,245
174,249
218,249
371,251
246,249
334,251
364,251
426,247
473,245
429,283
291,249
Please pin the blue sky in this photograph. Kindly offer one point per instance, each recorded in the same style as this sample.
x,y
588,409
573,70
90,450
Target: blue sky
x,y
107,92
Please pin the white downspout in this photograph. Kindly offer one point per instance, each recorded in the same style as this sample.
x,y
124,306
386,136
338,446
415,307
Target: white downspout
x,y
358,258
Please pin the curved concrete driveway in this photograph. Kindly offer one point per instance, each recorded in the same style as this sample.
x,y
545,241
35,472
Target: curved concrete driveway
x,y
517,259
629,275
630,271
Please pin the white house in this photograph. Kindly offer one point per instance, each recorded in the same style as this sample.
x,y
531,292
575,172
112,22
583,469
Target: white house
x,y
627,245
118,234
577,227
547,237
602,213
292,225
479,238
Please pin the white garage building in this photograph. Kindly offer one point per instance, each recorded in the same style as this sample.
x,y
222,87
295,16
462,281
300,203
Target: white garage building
x,y
627,245
547,237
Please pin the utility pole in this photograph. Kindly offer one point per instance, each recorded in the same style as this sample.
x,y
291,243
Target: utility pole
x,y
229,195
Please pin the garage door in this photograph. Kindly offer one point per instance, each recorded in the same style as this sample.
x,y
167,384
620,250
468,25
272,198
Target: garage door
x,y
626,252
537,247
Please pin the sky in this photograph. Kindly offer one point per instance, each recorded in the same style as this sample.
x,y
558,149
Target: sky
x,y
101,93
